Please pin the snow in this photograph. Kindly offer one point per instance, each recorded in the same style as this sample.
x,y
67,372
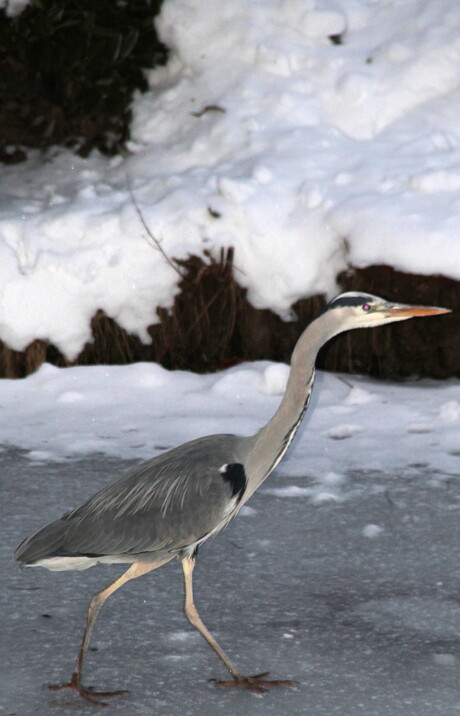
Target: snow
x,y
261,134
13,7
372,531
137,411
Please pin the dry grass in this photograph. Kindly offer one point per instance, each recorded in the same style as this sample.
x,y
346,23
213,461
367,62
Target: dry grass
x,y
212,325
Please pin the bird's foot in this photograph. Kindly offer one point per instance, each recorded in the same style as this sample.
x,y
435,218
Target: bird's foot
x,y
85,692
257,683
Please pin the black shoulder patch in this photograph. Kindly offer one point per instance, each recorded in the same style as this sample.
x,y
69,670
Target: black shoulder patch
x,y
236,476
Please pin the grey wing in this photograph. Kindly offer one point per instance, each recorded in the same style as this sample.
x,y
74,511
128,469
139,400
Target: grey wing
x,y
165,504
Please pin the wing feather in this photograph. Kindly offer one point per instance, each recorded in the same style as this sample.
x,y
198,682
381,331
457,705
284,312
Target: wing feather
x,y
166,503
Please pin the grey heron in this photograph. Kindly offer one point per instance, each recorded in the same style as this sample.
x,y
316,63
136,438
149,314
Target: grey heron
x,y
168,506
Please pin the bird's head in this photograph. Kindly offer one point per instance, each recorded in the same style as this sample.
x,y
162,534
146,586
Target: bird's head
x,y
361,310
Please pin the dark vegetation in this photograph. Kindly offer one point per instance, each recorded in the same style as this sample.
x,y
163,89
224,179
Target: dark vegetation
x,y
68,69
212,326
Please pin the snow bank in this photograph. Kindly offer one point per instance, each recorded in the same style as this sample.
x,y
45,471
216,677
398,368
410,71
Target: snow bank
x,y
139,410
262,134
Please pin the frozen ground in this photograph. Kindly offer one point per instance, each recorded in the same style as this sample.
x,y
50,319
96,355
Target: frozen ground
x,y
137,411
325,130
355,600
341,572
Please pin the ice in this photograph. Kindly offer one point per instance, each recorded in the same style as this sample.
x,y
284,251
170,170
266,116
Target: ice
x,y
440,618
445,659
364,626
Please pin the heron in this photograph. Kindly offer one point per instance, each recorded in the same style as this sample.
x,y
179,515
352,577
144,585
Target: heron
x,y
171,504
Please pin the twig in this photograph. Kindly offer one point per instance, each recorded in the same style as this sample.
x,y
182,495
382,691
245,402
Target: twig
x,y
156,243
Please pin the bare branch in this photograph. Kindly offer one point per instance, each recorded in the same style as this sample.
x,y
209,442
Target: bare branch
x,y
156,243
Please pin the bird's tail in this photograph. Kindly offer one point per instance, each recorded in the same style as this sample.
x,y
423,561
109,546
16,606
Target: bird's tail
x,y
44,543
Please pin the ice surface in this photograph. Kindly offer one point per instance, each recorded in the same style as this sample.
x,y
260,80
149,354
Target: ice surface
x,y
364,626
438,617
260,133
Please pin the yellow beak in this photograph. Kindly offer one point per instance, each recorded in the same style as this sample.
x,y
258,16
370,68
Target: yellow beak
x,y
412,311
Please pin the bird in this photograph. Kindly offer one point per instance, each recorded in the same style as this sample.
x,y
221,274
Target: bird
x,y
171,504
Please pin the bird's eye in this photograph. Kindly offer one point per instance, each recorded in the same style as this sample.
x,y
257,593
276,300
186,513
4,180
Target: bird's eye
x,y
366,307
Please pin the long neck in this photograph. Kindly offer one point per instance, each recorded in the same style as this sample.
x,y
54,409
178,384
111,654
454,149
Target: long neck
x,y
272,441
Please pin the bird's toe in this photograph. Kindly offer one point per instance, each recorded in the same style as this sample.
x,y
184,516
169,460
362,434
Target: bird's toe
x,y
86,692
258,682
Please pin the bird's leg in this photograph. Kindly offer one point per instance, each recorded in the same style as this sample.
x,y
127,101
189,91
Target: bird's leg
x,y
257,682
188,564
135,570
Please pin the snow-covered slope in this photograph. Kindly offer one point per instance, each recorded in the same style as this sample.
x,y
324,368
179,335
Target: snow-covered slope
x,y
264,134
